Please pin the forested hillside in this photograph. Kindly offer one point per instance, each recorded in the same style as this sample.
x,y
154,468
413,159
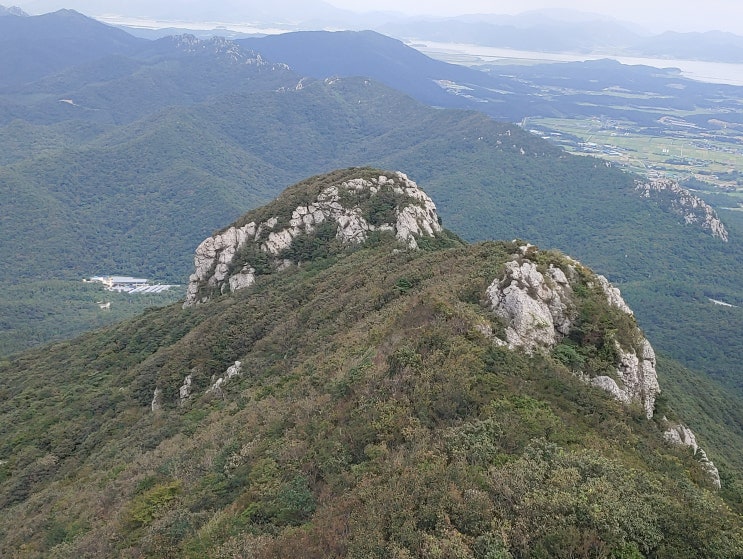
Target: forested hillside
x,y
346,378
119,180
357,401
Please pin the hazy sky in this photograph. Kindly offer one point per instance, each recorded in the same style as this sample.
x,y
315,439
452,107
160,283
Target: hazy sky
x,y
682,15
655,15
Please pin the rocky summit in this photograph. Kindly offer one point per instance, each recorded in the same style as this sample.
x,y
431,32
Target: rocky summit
x,y
537,309
352,206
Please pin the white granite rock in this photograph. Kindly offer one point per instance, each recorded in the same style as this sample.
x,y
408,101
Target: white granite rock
x,y
215,255
157,400
536,313
244,278
638,375
680,434
232,371
611,386
184,392
613,295
682,202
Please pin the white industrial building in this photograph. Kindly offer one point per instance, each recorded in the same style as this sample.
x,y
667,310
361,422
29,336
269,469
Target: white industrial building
x,y
127,284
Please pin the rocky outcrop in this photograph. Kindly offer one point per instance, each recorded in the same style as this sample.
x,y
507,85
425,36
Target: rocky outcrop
x,y
636,372
691,208
613,295
221,49
355,207
538,310
232,371
680,434
157,400
184,392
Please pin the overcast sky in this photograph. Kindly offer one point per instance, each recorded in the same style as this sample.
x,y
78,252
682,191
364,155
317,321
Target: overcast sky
x,y
658,15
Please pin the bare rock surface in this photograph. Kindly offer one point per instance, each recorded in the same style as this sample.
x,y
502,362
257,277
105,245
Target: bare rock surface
x,y
535,310
413,216
184,392
680,434
680,201
538,311
234,370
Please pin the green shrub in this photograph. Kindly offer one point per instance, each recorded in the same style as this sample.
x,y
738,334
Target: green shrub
x,y
152,503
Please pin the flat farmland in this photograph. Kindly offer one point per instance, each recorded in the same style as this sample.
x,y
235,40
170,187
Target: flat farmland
x,y
675,147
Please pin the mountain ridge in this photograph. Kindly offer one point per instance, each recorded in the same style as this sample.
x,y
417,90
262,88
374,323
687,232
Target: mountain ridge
x,y
243,145
295,412
218,155
36,46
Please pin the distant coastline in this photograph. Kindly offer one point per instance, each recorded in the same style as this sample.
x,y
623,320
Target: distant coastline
x,y
478,55
458,53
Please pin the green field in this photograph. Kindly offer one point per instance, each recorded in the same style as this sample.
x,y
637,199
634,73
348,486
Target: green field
x,y
674,151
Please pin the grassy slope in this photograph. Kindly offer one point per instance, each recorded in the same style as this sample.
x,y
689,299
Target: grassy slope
x,y
372,419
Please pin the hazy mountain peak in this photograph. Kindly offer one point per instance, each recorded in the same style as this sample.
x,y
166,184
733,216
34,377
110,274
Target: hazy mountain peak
x,y
219,47
12,11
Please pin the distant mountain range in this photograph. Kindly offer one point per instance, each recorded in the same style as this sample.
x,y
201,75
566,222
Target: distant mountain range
x,y
504,92
278,11
582,36
12,11
543,30
33,47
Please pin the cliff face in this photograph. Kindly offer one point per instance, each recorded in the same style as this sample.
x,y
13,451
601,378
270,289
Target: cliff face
x,y
680,201
541,308
346,212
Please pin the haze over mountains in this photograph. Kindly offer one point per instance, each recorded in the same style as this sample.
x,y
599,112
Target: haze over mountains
x,y
547,30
